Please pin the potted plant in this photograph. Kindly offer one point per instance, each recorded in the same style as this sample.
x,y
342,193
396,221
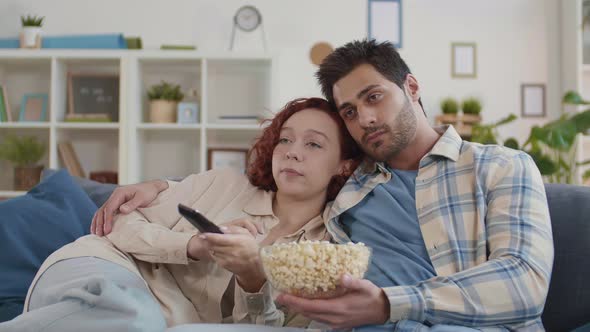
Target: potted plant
x,y
164,98
31,34
449,106
471,108
24,152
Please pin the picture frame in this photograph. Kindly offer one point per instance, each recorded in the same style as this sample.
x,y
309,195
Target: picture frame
x,y
235,158
385,21
93,97
463,60
34,107
533,100
188,113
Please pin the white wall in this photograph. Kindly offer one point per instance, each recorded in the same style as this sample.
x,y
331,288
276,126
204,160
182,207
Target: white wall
x,y
515,39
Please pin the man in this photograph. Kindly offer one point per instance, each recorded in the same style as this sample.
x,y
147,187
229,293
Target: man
x,y
460,232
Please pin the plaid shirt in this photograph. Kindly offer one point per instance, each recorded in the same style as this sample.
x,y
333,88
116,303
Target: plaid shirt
x,y
484,218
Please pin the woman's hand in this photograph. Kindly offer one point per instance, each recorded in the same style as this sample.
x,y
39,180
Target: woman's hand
x,y
237,251
125,199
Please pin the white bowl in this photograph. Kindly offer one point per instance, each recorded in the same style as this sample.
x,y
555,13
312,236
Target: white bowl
x,y
313,269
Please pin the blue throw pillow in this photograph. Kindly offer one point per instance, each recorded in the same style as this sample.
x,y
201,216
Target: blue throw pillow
x,y
54,213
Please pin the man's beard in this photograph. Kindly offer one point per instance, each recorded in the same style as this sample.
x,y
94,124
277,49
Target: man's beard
x,y
405,129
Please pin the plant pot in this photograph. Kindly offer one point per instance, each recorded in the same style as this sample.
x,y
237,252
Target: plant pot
x,y
31,37
163,111
26,178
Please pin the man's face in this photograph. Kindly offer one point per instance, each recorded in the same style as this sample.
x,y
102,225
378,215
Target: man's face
x,y
378,114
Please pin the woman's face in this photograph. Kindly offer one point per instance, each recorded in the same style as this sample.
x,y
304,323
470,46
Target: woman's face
x,y
307,155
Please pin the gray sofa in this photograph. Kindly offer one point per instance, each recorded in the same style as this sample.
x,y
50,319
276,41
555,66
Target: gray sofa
x,y
568,301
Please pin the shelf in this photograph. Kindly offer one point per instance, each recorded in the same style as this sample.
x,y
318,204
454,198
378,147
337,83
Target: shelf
x,y
234,126
25,125
168,126
24,54
227,83
87,125
11,194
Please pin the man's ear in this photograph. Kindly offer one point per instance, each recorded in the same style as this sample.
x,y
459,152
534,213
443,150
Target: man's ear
x,y
412,88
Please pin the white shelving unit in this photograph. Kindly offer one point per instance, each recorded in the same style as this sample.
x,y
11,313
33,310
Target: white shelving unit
x,y
575,55
228,84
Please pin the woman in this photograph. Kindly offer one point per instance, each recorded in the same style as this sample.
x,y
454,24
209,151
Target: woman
x,y
154,259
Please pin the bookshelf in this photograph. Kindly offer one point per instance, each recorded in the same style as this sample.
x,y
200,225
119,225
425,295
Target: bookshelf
x,y
227,84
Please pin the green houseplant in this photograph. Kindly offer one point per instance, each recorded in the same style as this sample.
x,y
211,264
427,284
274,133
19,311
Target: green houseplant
x,y
449,106
552,145
487,134
31,34
164,98
24,152
471,106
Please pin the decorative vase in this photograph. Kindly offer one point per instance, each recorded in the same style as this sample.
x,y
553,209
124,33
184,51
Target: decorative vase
x,y
162,111
31,37
26,178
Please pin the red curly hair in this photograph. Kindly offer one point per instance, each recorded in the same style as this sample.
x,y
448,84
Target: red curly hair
x,y
259,170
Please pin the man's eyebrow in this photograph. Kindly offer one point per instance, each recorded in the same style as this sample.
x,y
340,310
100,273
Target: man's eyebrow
x,y
358,95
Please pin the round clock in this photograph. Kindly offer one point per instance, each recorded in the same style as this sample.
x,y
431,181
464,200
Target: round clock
x,y
247,18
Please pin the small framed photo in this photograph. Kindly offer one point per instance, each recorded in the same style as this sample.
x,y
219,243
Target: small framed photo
x,y
532,100
188,113
34,107
227,158
463,60
385,21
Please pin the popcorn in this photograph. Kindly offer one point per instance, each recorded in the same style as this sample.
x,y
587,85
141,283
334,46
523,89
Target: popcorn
x,y
313,269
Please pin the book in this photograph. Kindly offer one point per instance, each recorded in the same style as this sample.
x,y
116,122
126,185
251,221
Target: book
x,y
3,115
178,47
70,159
6,104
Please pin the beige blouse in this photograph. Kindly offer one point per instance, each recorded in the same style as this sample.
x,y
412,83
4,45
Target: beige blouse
x,y
152,242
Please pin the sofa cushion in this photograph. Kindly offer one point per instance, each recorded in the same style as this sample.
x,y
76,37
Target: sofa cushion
x,y
568,301
98,192
55,212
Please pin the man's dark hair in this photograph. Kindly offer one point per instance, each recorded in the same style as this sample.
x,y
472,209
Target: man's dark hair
x,y
382,56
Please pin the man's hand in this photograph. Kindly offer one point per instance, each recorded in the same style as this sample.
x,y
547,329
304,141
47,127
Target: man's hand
x,y
124,200
362,304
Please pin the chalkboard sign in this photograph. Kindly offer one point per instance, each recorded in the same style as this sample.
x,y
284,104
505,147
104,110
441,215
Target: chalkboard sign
x,y
93,96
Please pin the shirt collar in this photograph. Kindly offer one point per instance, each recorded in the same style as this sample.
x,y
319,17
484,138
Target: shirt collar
x,y
261,205
448,145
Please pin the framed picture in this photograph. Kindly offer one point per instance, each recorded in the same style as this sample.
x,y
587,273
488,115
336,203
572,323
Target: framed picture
x,y
227,158
463,60
93,96
532,100
188,112
34,107
385,21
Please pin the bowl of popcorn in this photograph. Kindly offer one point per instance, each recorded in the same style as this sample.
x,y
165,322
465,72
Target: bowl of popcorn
x,y
313,269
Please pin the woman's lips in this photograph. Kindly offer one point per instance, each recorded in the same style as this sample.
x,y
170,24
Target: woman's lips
x,y
290,171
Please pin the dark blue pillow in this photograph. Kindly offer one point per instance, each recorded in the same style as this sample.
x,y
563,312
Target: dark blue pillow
x,y
54,213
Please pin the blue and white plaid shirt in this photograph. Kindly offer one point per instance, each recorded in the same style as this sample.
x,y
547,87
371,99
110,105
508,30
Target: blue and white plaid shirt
x,y
484,218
